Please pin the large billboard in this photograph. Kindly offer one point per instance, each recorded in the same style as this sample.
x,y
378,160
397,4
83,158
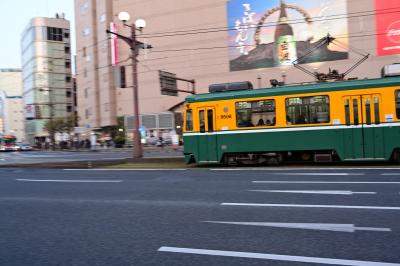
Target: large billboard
x,y
274,33
387,27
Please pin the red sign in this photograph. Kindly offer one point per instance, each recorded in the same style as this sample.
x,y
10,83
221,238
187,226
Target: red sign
x,y
387,27
114,45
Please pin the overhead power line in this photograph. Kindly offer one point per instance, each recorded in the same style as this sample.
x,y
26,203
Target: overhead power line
x,y
273,24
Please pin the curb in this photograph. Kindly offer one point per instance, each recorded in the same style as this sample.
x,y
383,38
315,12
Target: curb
x,y
87,164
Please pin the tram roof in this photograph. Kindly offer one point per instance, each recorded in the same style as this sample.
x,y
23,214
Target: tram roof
x,y
297,89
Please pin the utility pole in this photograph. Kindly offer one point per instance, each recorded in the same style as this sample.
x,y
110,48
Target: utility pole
x,y
134,46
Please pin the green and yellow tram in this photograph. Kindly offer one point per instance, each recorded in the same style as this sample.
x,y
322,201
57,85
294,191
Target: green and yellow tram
x,y
343,120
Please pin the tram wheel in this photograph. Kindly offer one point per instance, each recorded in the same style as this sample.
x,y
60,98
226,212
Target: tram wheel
x,y
305,156
396,156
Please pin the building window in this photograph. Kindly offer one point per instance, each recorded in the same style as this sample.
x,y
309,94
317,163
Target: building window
x,y
68,79
307,110
85,72
86,92
84,7
66,35
102,18
189,120
69,108
86,32
87,113
67,50
255,113
68,94
84,51
122,77
398,104
54,34
67,64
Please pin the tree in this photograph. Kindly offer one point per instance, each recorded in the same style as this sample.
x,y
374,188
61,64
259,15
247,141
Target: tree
x,y
59,125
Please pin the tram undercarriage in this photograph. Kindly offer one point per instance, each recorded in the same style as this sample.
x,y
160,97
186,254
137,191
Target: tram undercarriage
x,y
275,158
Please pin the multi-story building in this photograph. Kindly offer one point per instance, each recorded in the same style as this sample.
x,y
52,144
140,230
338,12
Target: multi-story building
x,y
47,79
218,41
11,104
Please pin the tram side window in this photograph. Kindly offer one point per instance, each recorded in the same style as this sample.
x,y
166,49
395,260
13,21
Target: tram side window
x,y
307,110
368,111
189,120
202,123
255,113
347,111
398,104
376,108
355,111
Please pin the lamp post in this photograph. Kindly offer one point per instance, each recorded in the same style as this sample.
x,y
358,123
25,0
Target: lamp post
x,y
134,45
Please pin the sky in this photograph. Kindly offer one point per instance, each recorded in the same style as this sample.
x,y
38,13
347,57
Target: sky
x,y
16,14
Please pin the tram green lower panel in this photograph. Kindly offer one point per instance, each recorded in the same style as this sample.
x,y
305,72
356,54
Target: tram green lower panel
x,y
349,143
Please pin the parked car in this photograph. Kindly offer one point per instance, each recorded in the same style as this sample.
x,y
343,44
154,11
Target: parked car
x,y
23,147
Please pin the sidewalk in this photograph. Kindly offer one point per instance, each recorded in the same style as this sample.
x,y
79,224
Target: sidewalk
x,y
146,149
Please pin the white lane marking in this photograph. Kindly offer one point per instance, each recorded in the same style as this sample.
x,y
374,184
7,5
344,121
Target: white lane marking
x,y
277,257
318,174
348,228
302,168
311,206
324,182
69,181
390,174
327,192
135,169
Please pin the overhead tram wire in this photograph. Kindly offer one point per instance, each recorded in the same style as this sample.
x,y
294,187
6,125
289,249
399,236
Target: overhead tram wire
x,y
251,45
210,48
221,29
273,24
227,28
191,32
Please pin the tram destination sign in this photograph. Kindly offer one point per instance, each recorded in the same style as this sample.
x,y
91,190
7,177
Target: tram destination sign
x,y
168,83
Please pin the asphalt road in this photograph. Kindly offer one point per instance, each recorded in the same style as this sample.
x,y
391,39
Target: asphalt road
x,y
198,217
31,157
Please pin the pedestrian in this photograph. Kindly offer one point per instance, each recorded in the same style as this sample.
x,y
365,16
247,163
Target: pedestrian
x,y
160,142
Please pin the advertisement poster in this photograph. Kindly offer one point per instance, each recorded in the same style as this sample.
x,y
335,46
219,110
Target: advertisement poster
x,y
387,27
274,33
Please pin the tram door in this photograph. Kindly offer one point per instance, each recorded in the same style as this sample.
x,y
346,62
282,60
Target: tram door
x,y
363,139
207,142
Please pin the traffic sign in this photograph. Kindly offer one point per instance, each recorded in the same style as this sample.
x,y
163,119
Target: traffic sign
x,y
168,83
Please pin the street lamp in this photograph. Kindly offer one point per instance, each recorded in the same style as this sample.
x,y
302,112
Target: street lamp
x,y
134,45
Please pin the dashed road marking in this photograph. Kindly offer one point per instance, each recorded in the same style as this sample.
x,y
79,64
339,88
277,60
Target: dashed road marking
x,y
302,168
348,228
137,169
322,182
319,174
311,206
69,181
324,192
276,257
